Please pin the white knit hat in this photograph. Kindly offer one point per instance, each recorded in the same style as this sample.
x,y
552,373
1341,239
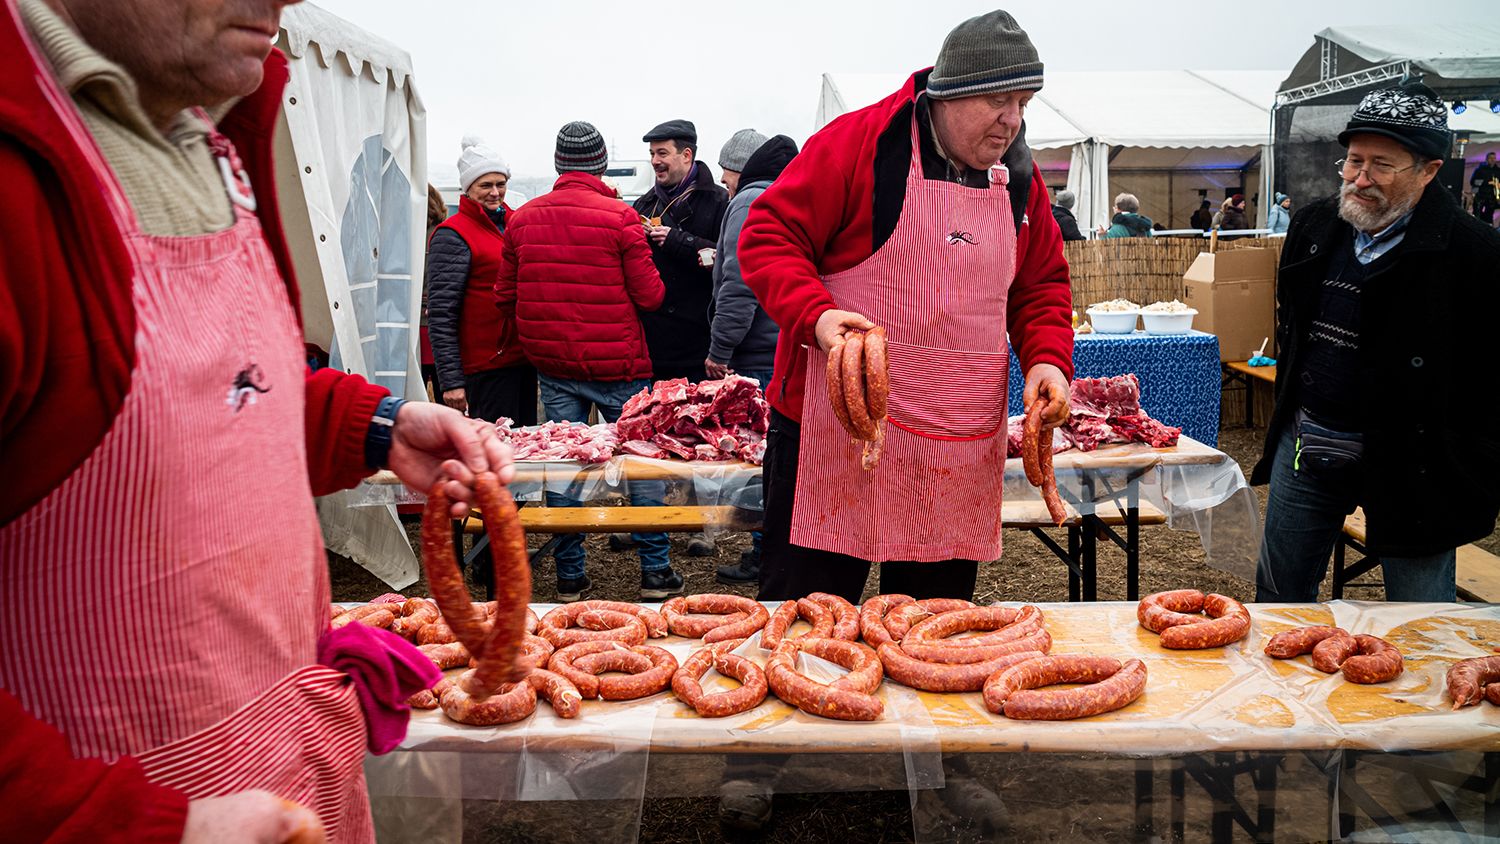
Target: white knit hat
x,y
477,159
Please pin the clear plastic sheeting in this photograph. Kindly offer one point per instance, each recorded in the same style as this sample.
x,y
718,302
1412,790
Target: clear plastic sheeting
x,y
1196,487
736,487
1224,742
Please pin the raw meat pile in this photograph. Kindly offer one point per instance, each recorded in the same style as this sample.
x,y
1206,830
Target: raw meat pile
x,y
1104,410
560,441
724,419
1108,410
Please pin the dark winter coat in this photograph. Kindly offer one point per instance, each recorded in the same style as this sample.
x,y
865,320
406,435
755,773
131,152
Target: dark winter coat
x,y
742,334
463,258
1129,225
1432,446
1067,223
677,333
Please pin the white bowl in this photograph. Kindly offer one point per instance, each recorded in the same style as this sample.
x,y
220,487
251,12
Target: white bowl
x,y
1180,322
1113,322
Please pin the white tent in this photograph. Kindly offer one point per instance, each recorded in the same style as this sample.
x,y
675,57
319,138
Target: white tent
x,y
352,177
1165,136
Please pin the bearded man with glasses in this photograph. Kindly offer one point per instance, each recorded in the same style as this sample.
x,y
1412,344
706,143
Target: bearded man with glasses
x,y
1377,400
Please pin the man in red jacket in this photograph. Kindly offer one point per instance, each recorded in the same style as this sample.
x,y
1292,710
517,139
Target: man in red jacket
x,y
925,214
174,677
577,273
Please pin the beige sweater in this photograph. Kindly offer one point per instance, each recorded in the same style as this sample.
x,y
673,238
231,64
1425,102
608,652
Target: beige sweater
x,y
172,180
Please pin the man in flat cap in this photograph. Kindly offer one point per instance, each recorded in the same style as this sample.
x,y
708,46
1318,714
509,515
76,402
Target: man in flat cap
x,y
682,214
1377,404
924,214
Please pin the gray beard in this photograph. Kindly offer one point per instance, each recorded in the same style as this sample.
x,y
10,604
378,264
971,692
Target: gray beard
x,y
1374,220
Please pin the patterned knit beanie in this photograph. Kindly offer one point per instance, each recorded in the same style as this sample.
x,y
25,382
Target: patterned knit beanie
x,y
580,147
985,55
1411,114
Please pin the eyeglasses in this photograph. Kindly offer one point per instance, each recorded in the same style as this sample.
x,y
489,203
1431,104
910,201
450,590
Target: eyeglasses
x,y
1378,172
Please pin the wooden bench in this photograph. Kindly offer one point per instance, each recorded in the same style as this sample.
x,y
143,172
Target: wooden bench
x,y
1241,372
625,519
1478,571
1080,555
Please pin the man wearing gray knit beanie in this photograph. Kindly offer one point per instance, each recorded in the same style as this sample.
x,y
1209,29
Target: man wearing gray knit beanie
x,y
577,274
923,214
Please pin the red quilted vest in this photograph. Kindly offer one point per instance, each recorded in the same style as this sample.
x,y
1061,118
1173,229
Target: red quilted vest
x,y
486,339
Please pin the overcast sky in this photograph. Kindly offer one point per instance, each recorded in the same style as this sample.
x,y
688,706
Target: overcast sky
x,y
515,72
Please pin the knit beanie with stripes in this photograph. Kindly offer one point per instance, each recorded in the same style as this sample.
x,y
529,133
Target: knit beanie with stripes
x,y
985,55
580,147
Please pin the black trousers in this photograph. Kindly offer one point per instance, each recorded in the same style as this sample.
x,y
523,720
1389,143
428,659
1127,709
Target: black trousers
x,y
508,392
790,571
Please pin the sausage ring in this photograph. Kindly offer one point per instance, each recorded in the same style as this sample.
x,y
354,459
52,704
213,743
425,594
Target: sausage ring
x,y
1017,692
714,617
687,681
564,626
826,700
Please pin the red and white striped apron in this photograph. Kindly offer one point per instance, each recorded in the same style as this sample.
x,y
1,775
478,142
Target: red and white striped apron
x,y
939,286
167,598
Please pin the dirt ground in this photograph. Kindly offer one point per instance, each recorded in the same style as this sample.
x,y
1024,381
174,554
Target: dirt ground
x,y
1100,794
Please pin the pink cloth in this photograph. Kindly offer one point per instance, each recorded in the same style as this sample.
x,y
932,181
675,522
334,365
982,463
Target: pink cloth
x,y
386,670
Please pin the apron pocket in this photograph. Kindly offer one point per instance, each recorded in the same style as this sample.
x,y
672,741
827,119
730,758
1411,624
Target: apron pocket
x,y
947,393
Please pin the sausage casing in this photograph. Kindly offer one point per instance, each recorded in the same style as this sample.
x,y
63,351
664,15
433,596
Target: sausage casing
x,y
1110,685
1468,678
1230,623
816,698
1294,643
1158,611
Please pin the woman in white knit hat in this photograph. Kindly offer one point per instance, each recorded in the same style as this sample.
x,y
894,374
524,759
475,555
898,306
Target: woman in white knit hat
x,y
480,366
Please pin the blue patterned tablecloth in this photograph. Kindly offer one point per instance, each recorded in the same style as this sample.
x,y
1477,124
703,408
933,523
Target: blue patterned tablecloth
x,y
1179,375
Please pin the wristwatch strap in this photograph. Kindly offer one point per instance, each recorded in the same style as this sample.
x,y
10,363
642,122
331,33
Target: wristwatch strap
x,y
378,437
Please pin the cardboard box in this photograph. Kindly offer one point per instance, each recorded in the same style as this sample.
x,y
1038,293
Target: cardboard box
x,y
1234,293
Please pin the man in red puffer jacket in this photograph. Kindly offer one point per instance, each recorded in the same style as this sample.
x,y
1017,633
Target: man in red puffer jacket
x,y
576,272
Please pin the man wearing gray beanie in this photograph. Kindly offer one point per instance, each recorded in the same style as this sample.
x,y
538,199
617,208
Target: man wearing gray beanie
x,y
923,214
737,150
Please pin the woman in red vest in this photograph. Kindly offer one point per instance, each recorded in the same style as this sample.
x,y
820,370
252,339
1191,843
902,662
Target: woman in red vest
x,y
480,366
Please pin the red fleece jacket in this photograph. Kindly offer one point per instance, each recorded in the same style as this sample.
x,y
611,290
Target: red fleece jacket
x,y
817,219
67,334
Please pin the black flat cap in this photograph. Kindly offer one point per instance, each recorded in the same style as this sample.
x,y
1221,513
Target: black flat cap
x,y
673,130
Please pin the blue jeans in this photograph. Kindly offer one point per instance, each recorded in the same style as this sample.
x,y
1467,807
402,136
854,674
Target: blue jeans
x,y
1304,517
764,377
569,401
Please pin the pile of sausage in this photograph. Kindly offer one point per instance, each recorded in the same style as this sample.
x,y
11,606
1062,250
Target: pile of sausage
x,y
1036,459
859,388
598,650
1009,661
1176,616
1363,658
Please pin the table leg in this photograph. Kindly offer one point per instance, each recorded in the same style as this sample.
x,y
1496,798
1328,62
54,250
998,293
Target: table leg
x,y
1075,586
1145,770
1265,787
1090,530
1345,798
1249,402
1133,542
1177,782
1223,807
1492,795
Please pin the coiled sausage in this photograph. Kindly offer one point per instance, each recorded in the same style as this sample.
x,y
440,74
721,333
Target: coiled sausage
x,y
1017,693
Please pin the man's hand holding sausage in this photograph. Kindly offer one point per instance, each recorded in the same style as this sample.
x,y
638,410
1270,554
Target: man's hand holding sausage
x,y
834,324
430,441
1047,381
